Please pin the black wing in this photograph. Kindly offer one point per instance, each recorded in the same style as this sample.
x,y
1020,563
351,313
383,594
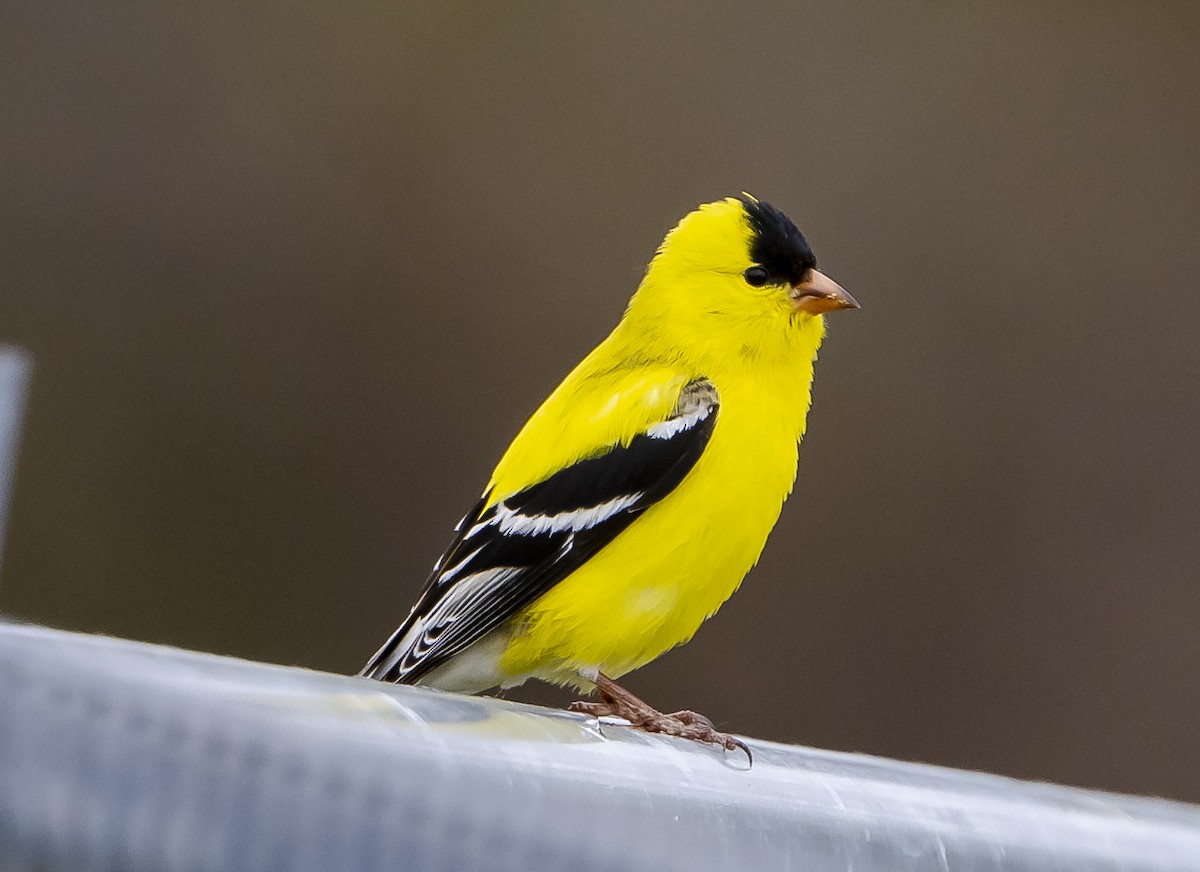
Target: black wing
x,y
506,556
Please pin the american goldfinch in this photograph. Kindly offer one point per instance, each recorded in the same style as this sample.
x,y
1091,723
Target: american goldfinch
x,y
634,501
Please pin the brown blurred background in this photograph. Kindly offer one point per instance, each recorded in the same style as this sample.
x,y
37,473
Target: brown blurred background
x,y
293,275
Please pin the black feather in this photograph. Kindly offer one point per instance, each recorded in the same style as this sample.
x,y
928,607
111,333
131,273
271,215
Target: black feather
x,y
777,244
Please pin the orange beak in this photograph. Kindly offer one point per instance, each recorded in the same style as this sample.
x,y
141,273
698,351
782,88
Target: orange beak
x,y
819,293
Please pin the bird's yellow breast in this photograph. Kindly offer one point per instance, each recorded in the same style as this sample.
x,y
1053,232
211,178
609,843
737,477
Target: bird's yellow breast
x,y
654,584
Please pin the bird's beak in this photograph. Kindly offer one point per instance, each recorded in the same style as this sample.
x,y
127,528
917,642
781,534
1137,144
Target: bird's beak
x,y
819,293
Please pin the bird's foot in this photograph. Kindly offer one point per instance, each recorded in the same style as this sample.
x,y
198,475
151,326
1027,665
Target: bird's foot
x,y
616,701
690,725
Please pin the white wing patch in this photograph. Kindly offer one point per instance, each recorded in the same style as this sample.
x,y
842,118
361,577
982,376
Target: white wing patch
x,y
670,427
458,567
579,519
512,522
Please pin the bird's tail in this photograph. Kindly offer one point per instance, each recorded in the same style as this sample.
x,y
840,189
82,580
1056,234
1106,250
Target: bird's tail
x,y
385,665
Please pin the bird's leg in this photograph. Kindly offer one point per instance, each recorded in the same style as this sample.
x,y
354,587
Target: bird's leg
x,y
616,701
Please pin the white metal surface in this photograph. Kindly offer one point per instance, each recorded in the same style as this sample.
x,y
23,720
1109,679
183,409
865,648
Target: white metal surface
x,y
117,755
15,367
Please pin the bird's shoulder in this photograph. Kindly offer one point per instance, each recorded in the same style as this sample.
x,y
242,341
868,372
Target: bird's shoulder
x,y
593,410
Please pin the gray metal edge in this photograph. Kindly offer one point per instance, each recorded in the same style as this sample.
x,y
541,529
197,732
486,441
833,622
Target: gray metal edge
x,y
16,366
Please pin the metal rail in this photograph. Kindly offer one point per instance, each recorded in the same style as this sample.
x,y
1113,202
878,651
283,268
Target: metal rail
x,y
15,368
123,756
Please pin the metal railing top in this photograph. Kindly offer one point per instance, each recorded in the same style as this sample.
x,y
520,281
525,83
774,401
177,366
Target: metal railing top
x,y
119,755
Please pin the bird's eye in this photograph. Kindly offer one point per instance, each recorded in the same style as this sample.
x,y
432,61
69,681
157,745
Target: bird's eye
x,y
756,276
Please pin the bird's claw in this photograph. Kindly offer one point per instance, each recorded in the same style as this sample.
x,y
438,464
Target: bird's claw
x,y
692,725
684,724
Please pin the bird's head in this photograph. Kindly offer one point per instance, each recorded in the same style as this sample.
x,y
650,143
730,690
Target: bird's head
x,y
737,269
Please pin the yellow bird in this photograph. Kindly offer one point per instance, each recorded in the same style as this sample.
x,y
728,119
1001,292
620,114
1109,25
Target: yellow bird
x,y
635,500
